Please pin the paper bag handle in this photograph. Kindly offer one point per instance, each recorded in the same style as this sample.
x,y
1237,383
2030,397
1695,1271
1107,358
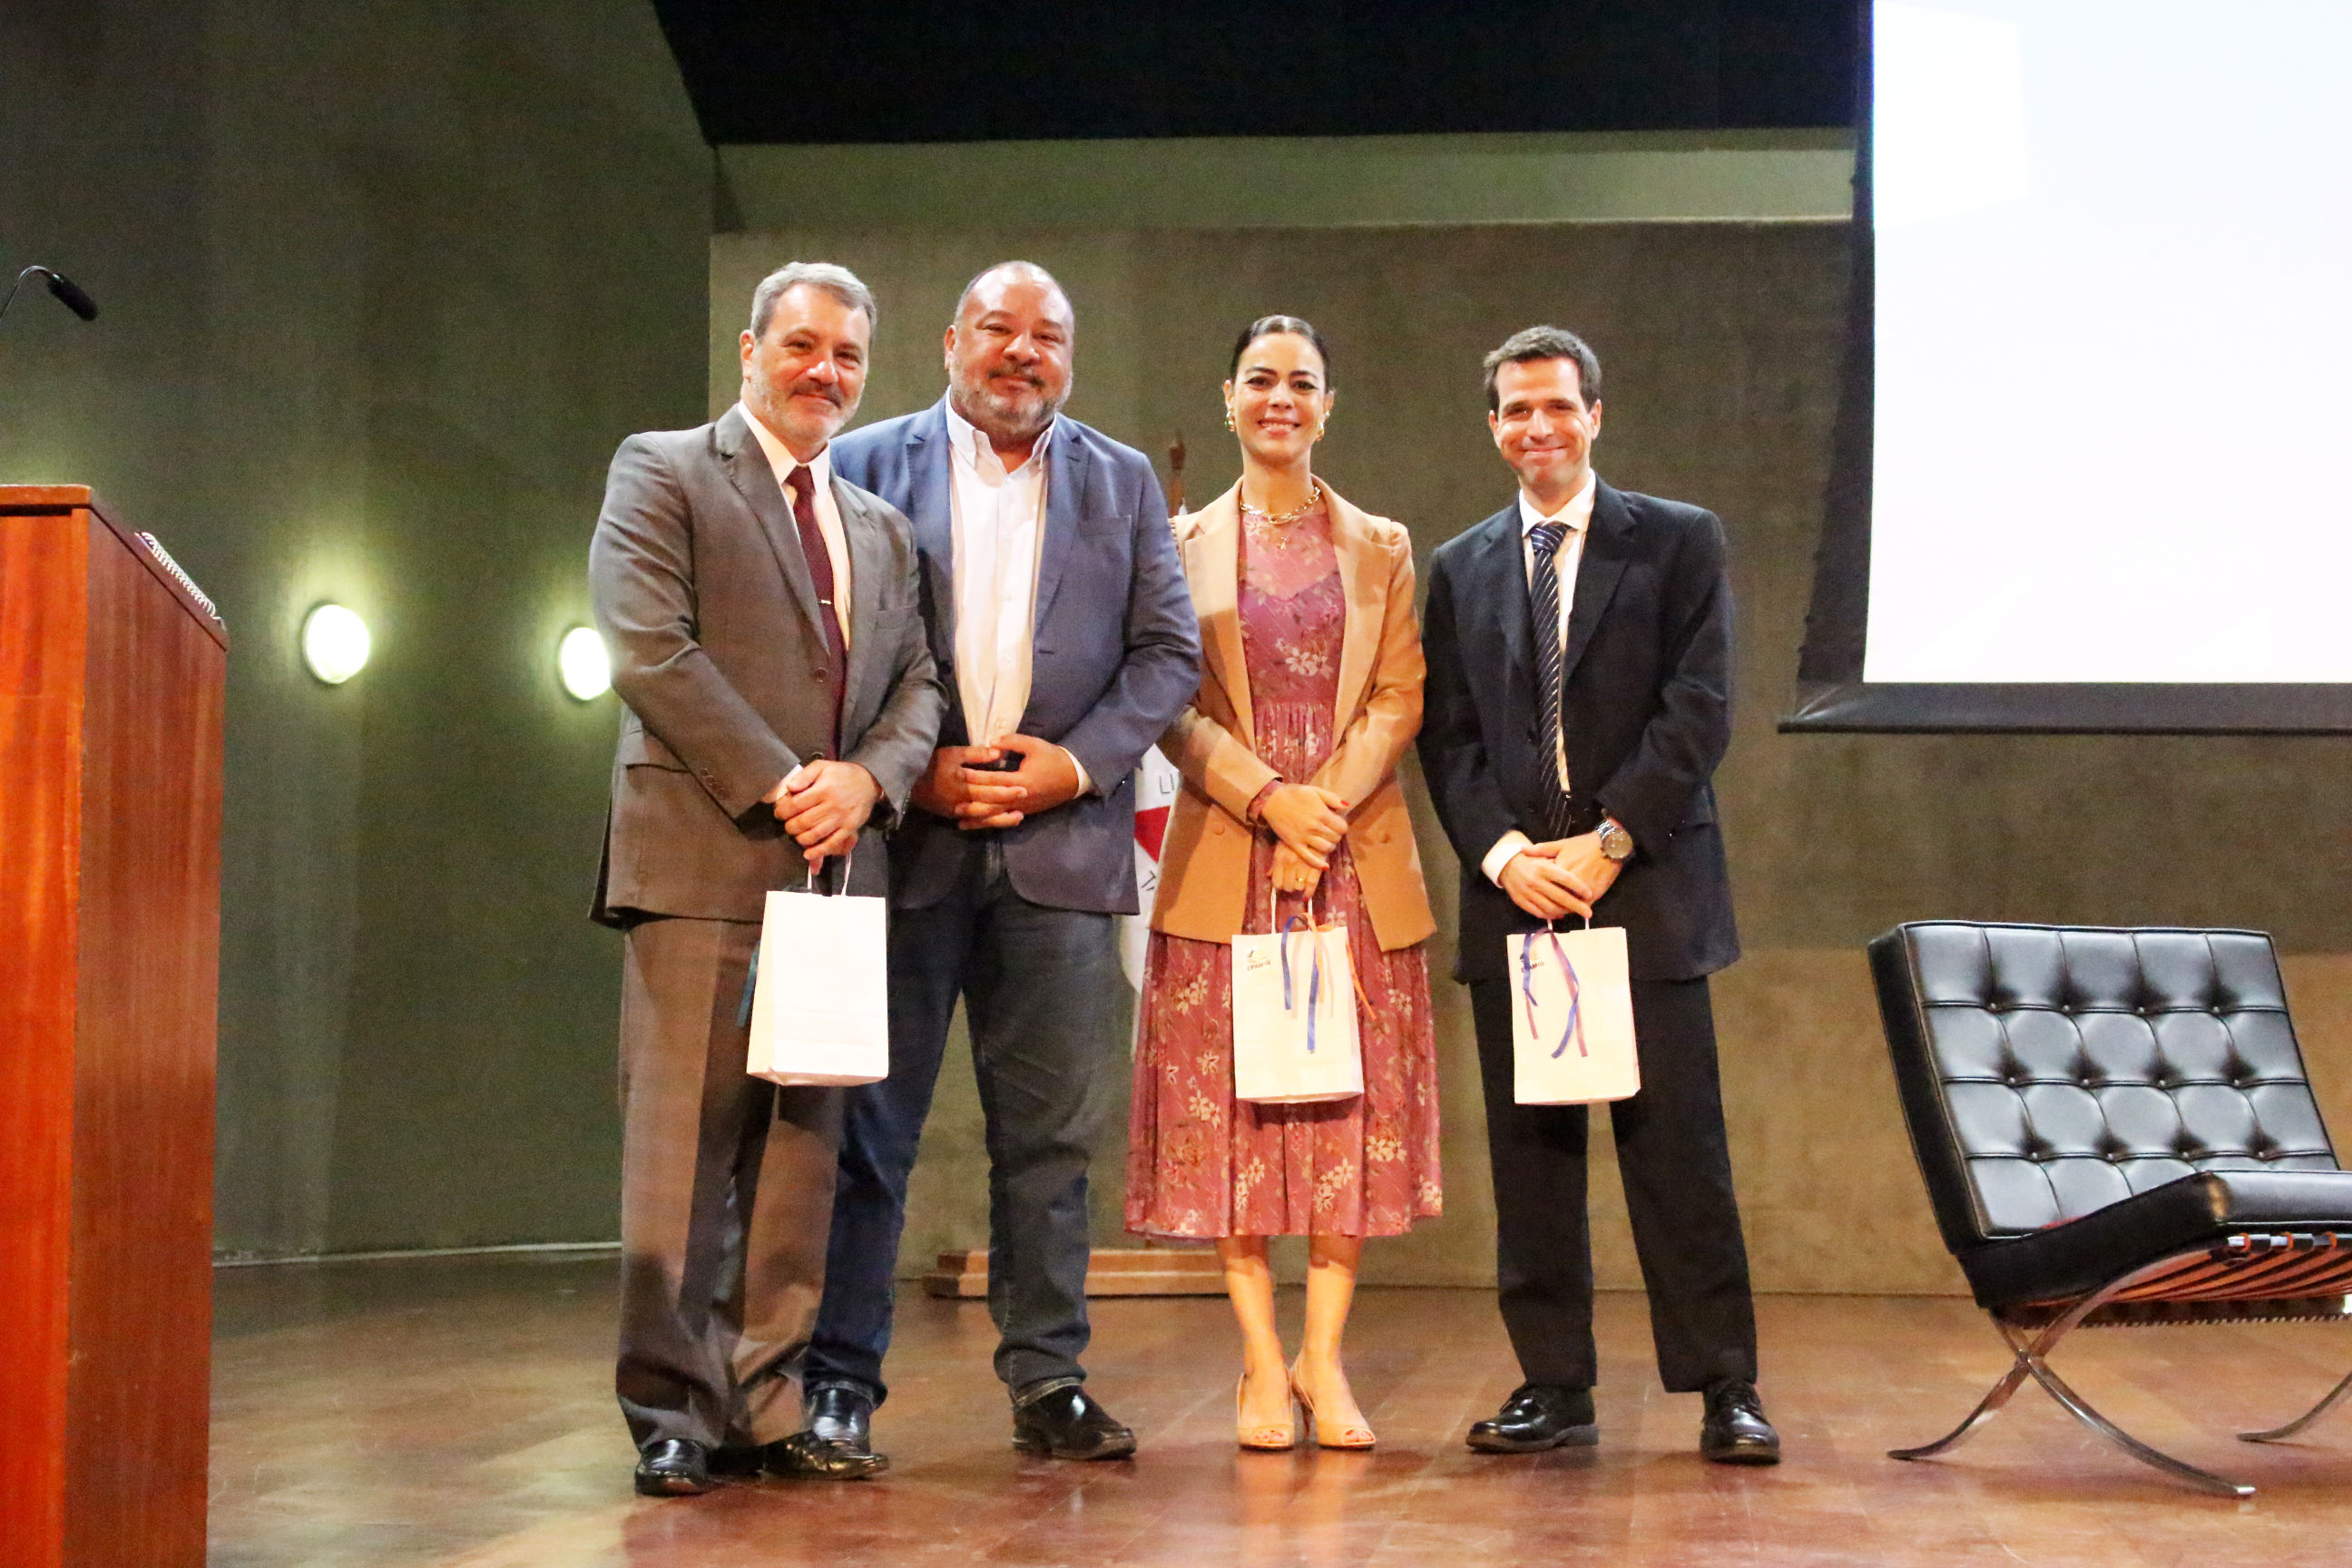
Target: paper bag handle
x,y
808,885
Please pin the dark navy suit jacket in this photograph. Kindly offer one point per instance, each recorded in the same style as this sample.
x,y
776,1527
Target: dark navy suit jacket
x,y
1646,710
1117,655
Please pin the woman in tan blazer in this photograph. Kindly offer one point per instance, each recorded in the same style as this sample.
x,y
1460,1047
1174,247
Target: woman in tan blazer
x,y
1311,691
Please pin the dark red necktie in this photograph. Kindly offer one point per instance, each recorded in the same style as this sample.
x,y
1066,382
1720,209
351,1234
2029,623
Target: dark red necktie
x,y
820,564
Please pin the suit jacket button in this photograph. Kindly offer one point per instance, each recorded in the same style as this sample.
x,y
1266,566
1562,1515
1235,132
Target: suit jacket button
x,y
820,673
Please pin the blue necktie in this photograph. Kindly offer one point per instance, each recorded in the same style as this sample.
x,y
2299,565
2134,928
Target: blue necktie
x,y
1544,539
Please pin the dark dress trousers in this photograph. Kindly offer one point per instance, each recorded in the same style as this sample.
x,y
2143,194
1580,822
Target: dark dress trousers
x,y
1646,715
703,595
1019,923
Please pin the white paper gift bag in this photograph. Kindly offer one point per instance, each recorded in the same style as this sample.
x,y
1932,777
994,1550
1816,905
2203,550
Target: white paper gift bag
x,y
819,991
1572,1017
1295,1016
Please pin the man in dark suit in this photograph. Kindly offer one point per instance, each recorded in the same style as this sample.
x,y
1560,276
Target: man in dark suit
x,y
1578,703
1065,635
766,635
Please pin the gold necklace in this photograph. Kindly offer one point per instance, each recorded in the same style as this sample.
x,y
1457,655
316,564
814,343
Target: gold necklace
x,y
1314,497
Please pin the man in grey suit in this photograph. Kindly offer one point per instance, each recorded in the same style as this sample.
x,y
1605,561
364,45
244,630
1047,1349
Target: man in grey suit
x,y
764,624
1064,634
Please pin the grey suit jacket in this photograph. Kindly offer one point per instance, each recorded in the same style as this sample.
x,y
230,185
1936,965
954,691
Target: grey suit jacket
x,y
704,601
1118,652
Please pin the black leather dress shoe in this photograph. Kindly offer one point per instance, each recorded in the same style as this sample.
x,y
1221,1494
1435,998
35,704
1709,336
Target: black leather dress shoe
x,y
805,1457
1537,1416
673,1467
1066,1425
842,1416
1735,1431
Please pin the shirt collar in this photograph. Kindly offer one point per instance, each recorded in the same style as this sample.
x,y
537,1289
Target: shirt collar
x,y
1577,513
780,456
966,439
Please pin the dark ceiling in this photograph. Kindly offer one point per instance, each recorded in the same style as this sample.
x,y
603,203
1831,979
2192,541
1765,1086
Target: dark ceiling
x,y
938,70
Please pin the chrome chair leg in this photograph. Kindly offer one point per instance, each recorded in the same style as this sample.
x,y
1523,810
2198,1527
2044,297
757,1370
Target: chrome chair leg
x,y
2031,1352
2180,1469
1987,1408
2334,1398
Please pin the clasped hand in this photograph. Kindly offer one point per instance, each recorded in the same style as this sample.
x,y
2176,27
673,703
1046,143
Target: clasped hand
x,y
823,804
977,798
1560,877
1309,821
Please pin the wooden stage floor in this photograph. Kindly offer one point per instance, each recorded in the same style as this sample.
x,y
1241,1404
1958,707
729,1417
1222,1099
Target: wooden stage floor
x,y
459,1413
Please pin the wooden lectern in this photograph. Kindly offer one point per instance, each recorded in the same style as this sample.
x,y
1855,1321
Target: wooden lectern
x,y
111,669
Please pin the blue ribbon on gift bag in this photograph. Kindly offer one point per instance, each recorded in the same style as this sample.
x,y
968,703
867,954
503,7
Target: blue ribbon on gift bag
x,y
1575,1025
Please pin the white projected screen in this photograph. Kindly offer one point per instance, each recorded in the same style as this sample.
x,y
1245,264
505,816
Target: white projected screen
x,y
2114,341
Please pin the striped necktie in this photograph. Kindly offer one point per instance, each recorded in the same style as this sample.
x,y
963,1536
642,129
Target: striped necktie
x,y
1544,540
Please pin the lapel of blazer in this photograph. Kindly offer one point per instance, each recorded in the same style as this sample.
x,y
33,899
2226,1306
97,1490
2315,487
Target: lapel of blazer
x,y
1065,481
1605,549
1364,594
1497,578
930,508
869,564
1212,563
748,471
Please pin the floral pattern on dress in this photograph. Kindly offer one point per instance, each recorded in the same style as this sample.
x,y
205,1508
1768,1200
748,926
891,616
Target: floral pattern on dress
x,y
1202,1163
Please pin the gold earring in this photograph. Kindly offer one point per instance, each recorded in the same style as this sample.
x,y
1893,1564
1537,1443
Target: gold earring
x,y
1229,418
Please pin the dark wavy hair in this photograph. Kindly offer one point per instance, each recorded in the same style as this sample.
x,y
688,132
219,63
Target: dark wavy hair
x,y
1265,327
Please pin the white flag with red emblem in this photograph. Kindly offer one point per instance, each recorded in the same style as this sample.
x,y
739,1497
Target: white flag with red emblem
x,y
1155,794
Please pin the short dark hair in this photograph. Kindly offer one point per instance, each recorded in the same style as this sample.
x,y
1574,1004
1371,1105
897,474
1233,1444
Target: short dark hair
x,y
1266,327
1546,342
838,281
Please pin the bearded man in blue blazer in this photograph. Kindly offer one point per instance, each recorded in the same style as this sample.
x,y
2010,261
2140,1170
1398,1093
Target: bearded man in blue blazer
x,y
1064,633
1579,700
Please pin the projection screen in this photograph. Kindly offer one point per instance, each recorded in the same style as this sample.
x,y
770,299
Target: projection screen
x,y
2090,463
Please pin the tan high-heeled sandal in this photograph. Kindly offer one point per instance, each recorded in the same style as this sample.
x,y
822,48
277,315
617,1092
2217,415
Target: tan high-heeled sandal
x,y
1354,1436
1267,1436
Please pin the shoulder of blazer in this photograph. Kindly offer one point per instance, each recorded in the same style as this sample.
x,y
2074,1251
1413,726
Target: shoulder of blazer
x,y
1478,536
1386,532
1102,446
701,440
1224,510
1655,526
860,449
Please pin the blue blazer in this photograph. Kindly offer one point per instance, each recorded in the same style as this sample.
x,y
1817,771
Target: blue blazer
x,y
1117,655
1647,710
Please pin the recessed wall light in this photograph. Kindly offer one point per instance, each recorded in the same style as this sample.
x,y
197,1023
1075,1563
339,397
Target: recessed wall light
x,y
334,643
582,661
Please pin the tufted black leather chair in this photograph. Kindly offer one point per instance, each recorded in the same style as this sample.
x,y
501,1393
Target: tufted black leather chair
x,y
2115,1127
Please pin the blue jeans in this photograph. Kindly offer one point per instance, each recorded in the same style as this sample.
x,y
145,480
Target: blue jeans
x,y
1041,988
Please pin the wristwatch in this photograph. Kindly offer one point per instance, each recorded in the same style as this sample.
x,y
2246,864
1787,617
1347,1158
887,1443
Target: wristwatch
x,y
1615,842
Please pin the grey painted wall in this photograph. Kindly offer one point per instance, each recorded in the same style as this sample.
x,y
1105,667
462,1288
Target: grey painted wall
x,y
382,288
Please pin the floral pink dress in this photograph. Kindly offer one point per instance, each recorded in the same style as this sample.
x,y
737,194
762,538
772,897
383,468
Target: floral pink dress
x,y
1202,1163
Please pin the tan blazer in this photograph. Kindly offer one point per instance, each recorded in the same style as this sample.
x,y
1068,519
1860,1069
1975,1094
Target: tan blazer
x,y
1205,860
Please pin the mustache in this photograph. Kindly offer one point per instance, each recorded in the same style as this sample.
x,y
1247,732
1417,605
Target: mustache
x,y
830,391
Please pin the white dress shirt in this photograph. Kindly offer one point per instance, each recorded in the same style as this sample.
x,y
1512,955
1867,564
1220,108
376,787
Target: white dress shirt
x,y
998,518
828,515
1570,555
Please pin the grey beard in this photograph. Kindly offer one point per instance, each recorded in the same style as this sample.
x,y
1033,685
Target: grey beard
x,y
1002,417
